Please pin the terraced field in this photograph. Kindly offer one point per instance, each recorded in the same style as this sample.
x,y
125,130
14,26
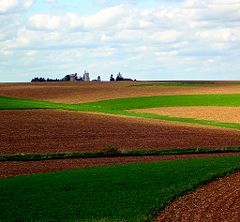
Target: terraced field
x,y
103,124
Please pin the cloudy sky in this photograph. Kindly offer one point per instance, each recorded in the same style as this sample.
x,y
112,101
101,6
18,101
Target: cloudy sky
x,y
142,39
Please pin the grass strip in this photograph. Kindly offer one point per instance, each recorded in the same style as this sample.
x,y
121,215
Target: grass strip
x,y
130,192
116,153
166,84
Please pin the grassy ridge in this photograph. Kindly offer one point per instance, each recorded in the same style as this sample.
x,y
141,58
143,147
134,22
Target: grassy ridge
x,y
115,153
131,192
121,106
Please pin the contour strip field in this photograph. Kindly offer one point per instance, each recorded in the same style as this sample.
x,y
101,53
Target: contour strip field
x,y
80,92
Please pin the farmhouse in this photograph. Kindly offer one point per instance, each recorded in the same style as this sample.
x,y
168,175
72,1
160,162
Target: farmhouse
x,y
73,77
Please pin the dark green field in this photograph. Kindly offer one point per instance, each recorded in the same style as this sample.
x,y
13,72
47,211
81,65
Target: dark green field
x,y
132,192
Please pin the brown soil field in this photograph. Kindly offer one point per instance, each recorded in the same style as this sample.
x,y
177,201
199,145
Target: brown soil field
x,y
54,131
80,92
215,202
16,168
219,114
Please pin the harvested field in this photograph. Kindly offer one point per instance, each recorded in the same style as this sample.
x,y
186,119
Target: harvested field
x,y
87,92
219,114
215,202
16,168
54,131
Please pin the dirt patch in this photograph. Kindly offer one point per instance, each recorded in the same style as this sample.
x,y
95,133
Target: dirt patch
x,y
87,92
215,202
219,114
54,131
16,168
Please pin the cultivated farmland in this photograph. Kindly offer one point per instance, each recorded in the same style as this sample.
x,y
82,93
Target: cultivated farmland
x,y
90,92
54,131
60,126
219,114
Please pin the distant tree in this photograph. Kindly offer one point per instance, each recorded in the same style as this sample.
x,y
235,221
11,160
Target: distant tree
x,y
119,77
41,79
36,79
66,78
112,78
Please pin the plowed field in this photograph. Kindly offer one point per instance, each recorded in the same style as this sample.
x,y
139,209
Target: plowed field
x,y
87,92
52,131
215,202
219,114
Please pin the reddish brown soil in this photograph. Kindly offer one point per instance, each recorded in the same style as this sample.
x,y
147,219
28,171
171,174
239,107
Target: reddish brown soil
x,y
15,168
53,131
92,91
219,114
215,202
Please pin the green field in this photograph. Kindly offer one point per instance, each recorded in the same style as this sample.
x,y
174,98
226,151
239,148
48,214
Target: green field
x,y
7,103
122,106
131,192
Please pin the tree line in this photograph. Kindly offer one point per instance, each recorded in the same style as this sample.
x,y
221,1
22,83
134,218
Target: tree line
x,y
119,77
65,78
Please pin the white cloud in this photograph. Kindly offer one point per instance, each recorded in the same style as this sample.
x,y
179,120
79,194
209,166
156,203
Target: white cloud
x,y
45,22
164,36
219,35
106,17
103,19
13,6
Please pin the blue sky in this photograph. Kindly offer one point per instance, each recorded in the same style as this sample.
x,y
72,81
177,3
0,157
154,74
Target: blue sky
x,y
146,40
